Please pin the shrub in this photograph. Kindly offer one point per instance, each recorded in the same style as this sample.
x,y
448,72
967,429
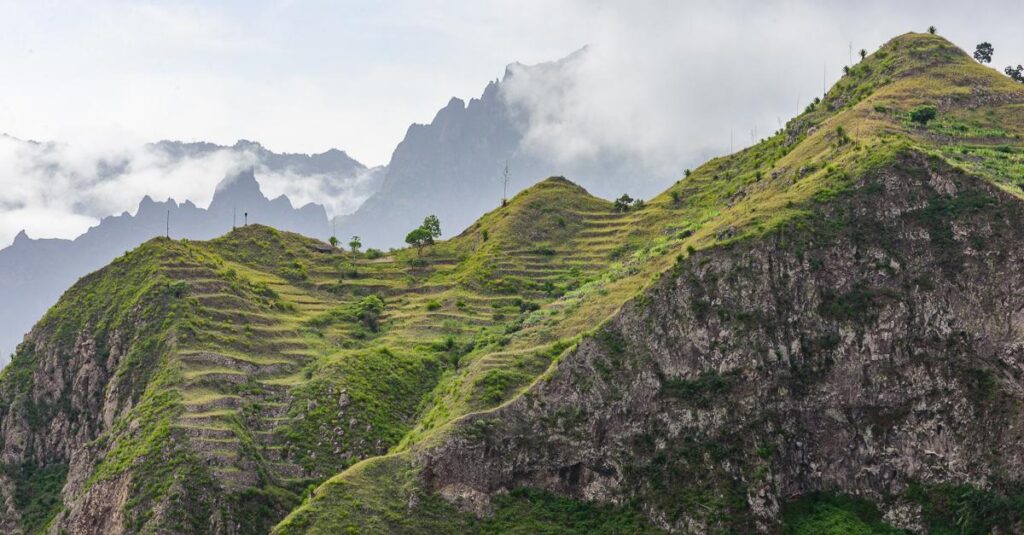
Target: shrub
x,y
368,310
433,305
373,254
922,114
623,203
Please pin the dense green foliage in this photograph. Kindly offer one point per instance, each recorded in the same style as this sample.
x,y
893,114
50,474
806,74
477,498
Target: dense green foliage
x,y
37,493
825,514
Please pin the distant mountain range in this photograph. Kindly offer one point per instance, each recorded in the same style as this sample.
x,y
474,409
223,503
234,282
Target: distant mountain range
x,y
34,272
452,167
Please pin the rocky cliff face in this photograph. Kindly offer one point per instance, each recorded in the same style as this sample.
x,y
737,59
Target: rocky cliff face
x,y
872,348
77,375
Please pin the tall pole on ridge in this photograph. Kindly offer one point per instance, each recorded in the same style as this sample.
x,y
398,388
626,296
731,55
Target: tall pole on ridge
x,y
504,190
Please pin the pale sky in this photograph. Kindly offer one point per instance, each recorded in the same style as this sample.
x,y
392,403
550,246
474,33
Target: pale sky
x,y
668,80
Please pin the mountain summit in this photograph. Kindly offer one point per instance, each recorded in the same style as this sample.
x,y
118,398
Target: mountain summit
x,y
454,166
819,332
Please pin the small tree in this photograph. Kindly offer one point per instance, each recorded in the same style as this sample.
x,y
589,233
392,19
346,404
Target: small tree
x,y
983,52
863,53
368,310
433,225
418,238
846,70
922,114
623,203
333,241
932,30
355,243
1017,73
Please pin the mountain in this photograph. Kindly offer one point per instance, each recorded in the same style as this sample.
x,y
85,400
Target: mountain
x,y
33,273
820,333
36,272
335,173
454,166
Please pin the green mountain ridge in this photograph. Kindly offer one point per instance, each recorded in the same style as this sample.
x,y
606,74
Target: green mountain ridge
x,y
567,366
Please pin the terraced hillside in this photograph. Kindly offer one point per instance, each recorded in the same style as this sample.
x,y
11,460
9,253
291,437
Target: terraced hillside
x,y
280,361
806,262
566,365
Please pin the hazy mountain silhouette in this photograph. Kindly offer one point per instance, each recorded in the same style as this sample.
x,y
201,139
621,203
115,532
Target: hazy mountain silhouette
x,y
453,167
36,272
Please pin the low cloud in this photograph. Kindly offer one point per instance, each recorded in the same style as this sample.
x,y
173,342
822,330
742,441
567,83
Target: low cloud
x,y
670,84
59,190
339,195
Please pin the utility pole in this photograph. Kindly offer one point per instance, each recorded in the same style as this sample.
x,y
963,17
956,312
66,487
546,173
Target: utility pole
x,y
168,224
504,191
823,92
234,216
730,141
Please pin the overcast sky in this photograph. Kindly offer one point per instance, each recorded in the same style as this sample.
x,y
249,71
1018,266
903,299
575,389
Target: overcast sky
x,y
668,80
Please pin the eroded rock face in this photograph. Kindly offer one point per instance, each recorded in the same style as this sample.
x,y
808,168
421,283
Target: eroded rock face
x,y
877,344
50,420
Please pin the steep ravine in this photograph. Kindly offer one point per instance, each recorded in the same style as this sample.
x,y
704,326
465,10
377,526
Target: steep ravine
x,y
873,348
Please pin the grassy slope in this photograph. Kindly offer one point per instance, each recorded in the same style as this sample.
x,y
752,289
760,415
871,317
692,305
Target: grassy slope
x,y
272,375
861,124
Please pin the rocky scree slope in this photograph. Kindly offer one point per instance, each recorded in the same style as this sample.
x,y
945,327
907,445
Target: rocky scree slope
x,y
832,337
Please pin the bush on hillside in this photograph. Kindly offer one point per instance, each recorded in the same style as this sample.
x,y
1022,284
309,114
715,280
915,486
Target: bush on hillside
x,y
922,114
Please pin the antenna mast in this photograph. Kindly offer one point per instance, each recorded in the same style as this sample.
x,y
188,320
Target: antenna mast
x,y
504,191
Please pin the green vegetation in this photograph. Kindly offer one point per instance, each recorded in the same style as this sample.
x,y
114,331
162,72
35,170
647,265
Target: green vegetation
x,y
37,493
922,114
983,52
877,118
276,364
961,509
825,514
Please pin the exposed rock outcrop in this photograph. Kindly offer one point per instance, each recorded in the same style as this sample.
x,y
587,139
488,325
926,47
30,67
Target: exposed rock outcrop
x,y
877,345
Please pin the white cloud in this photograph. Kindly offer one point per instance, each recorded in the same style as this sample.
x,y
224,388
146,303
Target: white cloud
x,y
664,82
670,83
338,196
59,190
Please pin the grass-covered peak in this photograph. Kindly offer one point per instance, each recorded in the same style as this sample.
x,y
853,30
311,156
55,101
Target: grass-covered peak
x,y
546,212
